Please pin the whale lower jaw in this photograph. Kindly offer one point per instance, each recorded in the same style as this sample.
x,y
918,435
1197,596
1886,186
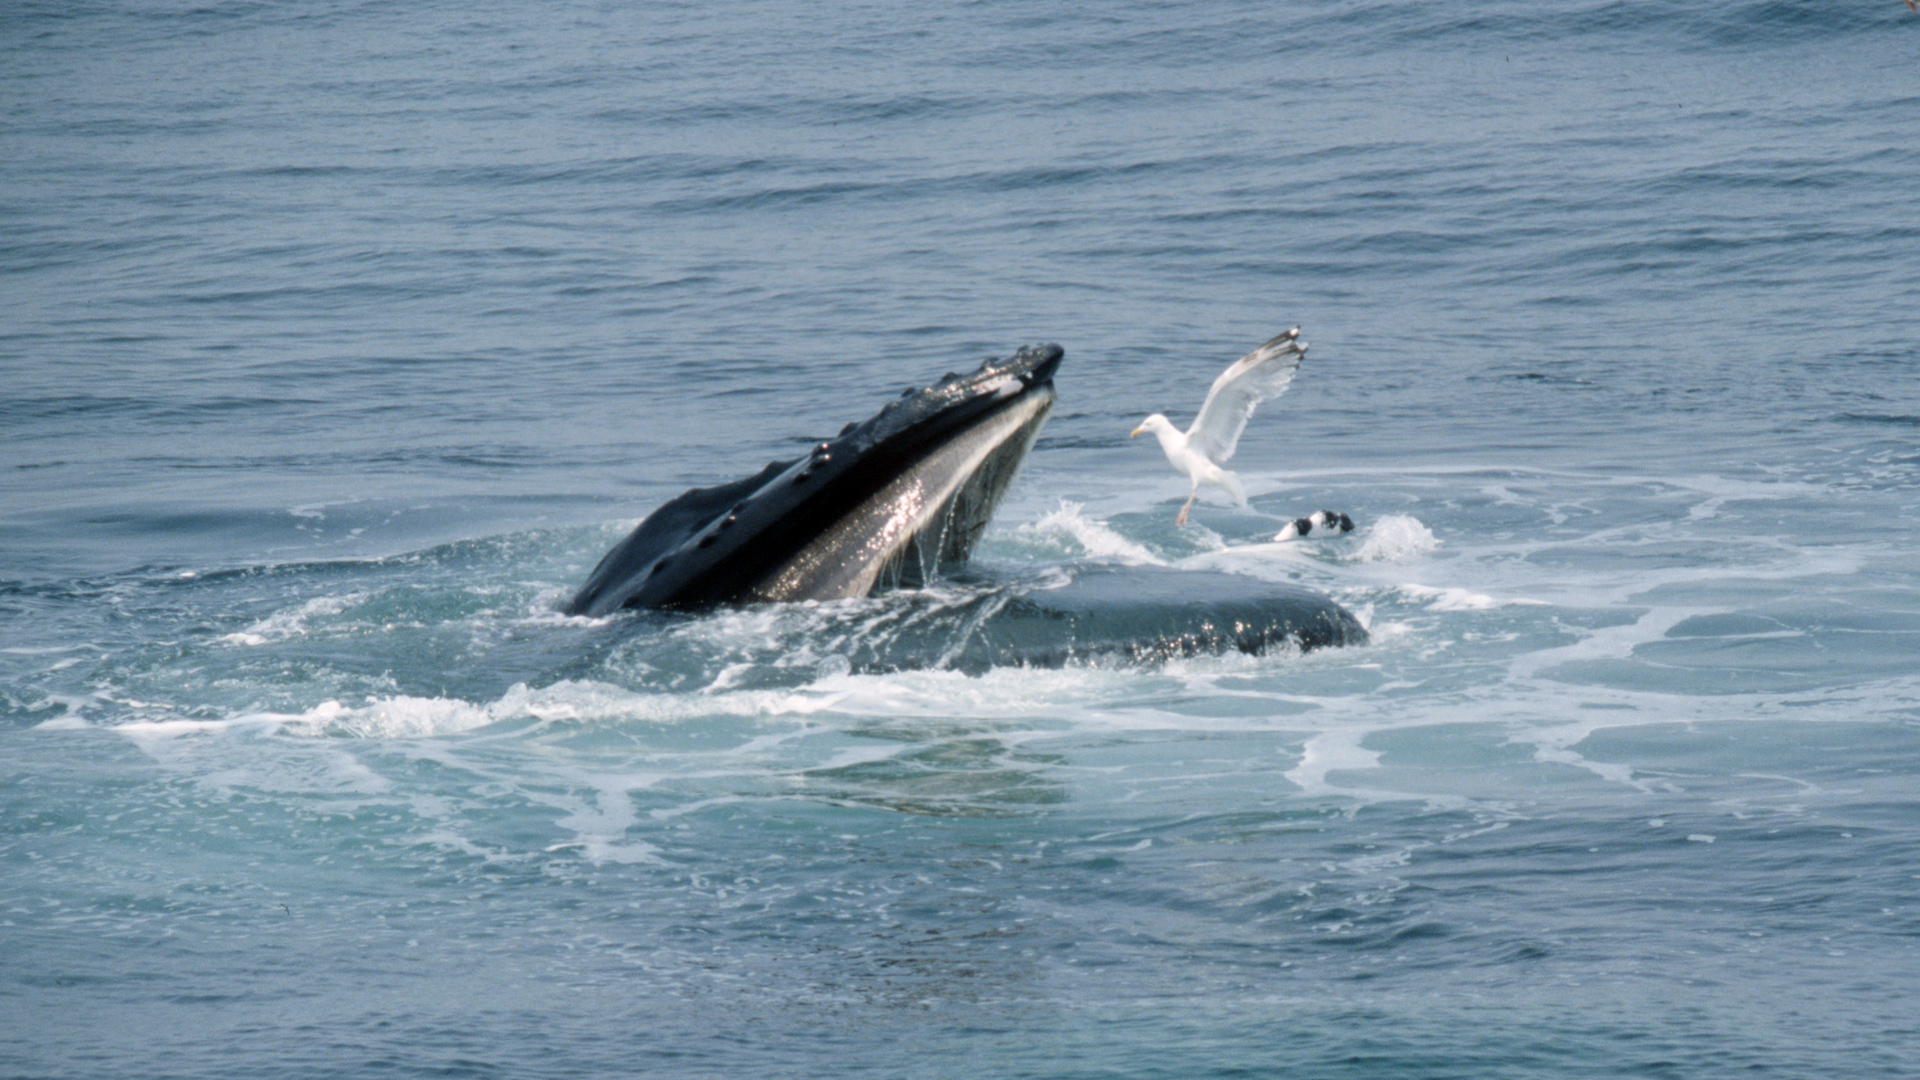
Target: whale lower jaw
x,y
931,514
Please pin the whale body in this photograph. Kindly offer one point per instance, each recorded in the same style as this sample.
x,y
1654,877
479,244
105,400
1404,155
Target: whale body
x,y
1098,613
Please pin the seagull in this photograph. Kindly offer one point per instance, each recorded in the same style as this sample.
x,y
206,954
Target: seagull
x,y
1261,375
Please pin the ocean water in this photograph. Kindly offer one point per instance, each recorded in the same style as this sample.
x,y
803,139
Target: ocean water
x,y
340,339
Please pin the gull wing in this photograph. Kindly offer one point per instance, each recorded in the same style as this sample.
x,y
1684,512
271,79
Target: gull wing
x,y
1261,375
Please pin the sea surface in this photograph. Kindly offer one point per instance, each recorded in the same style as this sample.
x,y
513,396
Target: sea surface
x,y
338,341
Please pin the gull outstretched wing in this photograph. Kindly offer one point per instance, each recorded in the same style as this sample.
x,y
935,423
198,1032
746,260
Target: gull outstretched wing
x,y
1261,375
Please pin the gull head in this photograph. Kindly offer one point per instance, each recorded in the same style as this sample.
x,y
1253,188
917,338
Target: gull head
x,y
1155,423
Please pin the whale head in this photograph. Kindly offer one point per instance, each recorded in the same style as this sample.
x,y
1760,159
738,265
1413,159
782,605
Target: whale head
x,y
884,503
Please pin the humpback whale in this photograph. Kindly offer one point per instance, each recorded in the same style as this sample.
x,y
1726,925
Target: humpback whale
x,y
905,495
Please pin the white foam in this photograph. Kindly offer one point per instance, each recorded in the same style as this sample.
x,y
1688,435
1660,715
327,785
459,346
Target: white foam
x,y
1553,746
292,622
1325,753
173,729
399,716
45,650
1085,536
1605,643
603,822
1394,538
1445,599
404,717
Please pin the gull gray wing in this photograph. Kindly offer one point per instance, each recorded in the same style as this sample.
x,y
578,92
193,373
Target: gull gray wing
x,y
1261,375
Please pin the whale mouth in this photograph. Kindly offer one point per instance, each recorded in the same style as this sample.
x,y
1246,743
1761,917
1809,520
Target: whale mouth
x,y
885,503
928,517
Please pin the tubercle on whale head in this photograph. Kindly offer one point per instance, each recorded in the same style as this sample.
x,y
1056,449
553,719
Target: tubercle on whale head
x,y
910,426
994,382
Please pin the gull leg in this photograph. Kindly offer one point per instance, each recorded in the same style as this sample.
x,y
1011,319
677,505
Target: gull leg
x,y
1182,519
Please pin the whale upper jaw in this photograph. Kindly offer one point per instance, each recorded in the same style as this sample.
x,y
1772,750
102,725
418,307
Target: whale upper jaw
x,y
884,503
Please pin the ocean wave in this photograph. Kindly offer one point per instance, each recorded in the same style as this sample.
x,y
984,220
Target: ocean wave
x,y
1662,24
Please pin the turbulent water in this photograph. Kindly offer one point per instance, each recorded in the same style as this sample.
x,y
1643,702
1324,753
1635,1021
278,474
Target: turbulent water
x,y
339,340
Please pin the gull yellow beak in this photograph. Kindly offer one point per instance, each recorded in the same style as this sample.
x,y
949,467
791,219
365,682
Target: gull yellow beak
x,y
1137,431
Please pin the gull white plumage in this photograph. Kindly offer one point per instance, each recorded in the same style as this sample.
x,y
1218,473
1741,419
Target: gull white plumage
x,y
1261,375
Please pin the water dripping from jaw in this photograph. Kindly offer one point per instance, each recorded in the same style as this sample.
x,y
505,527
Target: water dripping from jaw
x,y
916,563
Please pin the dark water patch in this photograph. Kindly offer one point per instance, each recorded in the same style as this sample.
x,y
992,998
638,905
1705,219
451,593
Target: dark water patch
x,y
1880,419
303,171
920,189
971,776
1640,27
1782,22
698,115
1783,174
906,107
1565,381
147,409
1725,625
324,296
794,196
1082,442
807,110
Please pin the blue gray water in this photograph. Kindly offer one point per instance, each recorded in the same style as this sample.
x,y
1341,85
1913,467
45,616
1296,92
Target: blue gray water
x,y
340,339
